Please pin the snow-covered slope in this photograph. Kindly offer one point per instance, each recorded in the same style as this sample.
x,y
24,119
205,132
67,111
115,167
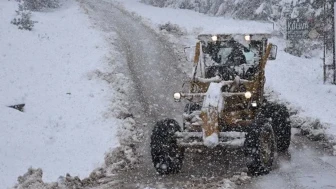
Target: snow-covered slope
x,y
65,127
194,22
299,82
275,11
242,9
294,80
270,10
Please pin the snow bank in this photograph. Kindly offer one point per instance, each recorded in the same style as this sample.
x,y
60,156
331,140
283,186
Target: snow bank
x,y
33,180
299,81
65,127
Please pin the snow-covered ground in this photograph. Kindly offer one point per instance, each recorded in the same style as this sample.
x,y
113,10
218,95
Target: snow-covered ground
x,y
299,82
65,126
294,80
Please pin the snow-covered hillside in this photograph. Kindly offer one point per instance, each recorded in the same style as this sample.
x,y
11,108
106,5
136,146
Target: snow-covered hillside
x,y
66,126
242,9
274,11
195,23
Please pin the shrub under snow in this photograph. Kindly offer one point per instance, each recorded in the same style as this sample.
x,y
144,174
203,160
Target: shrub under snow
x,y
23,18
37,5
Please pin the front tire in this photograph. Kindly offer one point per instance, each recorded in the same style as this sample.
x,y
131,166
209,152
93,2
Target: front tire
x,y
278,115
167,156
260,149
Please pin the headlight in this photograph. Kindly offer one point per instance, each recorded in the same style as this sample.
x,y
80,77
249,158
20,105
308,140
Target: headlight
x,y
177,96
248,94
247,37
254,104
214,38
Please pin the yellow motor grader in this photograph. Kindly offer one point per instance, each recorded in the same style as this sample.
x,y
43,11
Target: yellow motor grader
x,y
225,99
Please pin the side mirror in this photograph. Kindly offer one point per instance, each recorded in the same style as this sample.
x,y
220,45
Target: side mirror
x,y
273,53
189,53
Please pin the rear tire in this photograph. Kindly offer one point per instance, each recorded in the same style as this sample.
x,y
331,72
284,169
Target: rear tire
x,y
167,156
279,119
260,149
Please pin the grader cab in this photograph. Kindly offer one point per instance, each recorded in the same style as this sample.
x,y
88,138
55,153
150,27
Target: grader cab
x,y
225,98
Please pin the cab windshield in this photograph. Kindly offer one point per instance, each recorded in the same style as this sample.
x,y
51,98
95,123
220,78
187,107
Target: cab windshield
x,y
228,59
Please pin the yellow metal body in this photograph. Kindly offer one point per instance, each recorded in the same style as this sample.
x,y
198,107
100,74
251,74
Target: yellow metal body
x,y
233,116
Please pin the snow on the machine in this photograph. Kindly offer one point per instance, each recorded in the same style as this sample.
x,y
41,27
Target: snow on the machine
x,y
213,99
65,126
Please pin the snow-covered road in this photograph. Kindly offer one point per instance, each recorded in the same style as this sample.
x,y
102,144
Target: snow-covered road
x,y
153,66
156,74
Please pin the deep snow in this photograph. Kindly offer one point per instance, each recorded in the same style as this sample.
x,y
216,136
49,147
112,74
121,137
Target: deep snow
x,y
66,126
299,81
74,135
